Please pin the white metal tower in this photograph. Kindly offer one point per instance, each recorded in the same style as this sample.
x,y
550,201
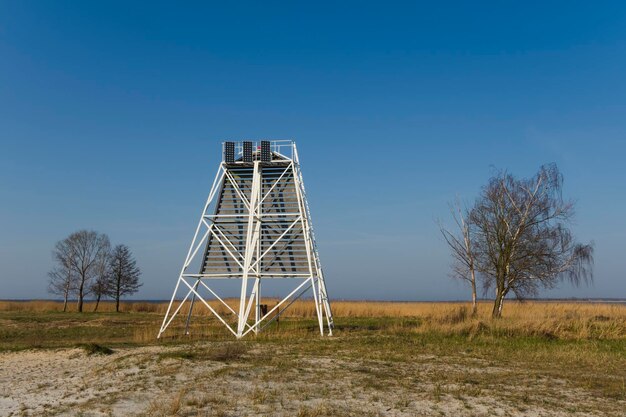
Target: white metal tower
x,y
255,225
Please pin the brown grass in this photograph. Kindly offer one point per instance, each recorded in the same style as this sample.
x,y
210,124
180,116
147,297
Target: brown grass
x,y
305,308
558,320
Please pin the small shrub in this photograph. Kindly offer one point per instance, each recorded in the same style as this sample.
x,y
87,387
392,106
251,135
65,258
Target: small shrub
x,y
476,329
259,396
437,392
178,354
458,315
96,349
226,353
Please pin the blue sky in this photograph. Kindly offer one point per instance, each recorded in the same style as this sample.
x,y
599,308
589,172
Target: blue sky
x,y
112,115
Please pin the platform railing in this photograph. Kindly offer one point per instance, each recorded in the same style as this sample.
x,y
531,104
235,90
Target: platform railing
x,y
283,147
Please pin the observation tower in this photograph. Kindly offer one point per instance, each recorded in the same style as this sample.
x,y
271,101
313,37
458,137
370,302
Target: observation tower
x,y
255,226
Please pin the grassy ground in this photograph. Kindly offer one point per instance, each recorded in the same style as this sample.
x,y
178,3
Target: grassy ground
x,y
384,359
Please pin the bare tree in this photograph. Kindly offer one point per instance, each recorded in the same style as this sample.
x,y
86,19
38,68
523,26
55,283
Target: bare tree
x,y
101,284
99,288
462,248
522,240
84,253
123,274
61,282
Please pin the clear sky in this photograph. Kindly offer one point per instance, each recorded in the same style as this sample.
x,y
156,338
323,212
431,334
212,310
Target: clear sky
x,y
112,115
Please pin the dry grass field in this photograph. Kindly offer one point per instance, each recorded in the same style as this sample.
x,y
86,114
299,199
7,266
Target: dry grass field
x,y
397,359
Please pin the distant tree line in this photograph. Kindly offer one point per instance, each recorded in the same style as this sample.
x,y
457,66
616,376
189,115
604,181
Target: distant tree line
x,y
86,264
516,238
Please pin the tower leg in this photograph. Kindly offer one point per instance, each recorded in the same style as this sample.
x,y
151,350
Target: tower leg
x,y
318,309
326,303
257,309
169,308
218,178
311,252
252,240
193,299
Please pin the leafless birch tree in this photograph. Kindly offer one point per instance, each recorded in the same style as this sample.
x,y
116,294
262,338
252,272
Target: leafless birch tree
x,y
61,282
522,238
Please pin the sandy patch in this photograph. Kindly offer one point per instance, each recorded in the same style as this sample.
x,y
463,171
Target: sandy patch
x,y
157,381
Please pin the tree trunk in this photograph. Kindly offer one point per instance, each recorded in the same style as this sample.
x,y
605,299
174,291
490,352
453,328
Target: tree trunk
x,y
80,295
474,305
499,302
66,293
118,294
97,302
496,313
